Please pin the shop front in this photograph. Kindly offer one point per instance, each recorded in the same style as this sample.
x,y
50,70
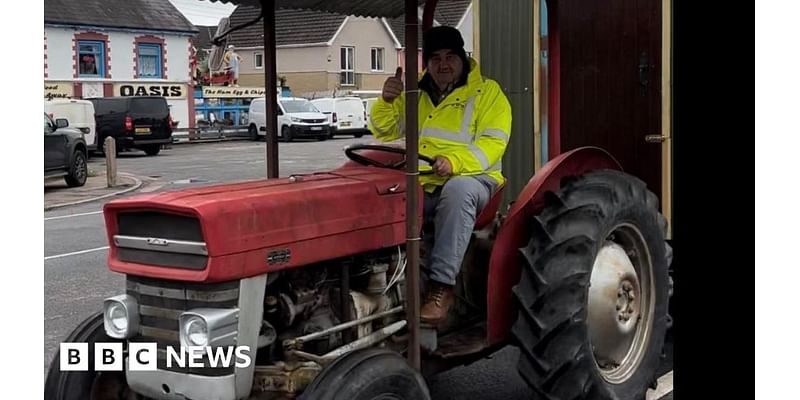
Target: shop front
x,y
226,105
176,94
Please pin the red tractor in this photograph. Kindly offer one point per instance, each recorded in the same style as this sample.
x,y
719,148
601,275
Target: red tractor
x,y
575,274
312,274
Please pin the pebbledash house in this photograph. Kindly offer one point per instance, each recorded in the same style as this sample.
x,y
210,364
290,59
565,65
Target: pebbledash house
x,y
105,48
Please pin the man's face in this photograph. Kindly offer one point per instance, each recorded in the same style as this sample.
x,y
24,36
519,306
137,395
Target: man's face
x,y
445,67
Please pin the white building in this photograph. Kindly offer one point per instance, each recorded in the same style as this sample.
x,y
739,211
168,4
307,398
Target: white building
x,y
105,48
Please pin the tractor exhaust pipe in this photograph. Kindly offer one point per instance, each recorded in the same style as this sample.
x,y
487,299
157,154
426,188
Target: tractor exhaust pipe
x,y
363,343
298,341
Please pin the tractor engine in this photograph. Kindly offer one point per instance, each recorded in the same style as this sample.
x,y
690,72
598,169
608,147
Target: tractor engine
x,y
307,300
303,307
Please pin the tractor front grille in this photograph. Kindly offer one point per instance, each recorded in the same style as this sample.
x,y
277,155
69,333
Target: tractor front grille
x,y
162,302
162,239
160,225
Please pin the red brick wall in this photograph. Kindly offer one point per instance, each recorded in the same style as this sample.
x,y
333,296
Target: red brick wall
x,y
45,55
190,94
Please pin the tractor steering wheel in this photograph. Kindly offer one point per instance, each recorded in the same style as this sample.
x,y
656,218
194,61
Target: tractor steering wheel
x,y
350,152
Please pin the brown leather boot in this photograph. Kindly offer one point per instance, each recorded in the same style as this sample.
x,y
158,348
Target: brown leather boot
x,y
438,300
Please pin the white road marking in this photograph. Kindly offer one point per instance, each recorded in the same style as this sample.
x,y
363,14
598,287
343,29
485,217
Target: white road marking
x,y
73,215
74,253
664,387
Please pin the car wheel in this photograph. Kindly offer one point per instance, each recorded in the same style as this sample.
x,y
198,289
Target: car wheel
x,y
152,149
253,131
78,170
286,134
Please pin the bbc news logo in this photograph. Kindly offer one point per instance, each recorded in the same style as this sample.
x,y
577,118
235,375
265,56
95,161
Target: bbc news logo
x,y
144,357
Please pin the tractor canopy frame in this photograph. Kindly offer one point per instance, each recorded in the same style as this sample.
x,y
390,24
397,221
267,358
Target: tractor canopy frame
x,y
380,8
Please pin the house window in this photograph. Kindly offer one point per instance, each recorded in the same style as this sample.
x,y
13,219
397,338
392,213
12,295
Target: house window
x,y
91,59
259,60
149,62
347,76
377,59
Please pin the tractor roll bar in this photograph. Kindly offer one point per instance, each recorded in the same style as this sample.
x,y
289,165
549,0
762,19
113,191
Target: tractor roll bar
x,y
412,146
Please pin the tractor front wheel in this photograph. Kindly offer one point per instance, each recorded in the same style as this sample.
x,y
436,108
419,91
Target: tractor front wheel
x,y
594,289
91,384
368,374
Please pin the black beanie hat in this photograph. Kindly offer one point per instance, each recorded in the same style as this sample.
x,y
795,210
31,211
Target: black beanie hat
x,y
443,37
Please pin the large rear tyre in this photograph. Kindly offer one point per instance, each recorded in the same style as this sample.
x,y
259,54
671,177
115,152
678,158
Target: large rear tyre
x,y
369,374
593,293
91,384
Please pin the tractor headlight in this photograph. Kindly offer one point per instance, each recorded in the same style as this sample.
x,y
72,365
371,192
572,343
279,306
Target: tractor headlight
x,y
120,316
196,332
209,327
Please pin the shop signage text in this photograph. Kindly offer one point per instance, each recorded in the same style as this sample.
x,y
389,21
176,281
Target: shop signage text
x,y
58,90
171,91
211,92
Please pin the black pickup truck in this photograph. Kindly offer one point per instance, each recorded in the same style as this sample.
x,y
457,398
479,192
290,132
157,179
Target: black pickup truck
x,y
64,152
138,122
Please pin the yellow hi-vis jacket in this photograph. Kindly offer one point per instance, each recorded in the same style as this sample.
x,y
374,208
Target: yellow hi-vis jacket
x,y
470,127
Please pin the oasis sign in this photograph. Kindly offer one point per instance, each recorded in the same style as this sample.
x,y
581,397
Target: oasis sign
x,y
170,91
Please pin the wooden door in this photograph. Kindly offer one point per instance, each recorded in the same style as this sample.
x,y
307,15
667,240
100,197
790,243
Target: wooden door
x,y
605,88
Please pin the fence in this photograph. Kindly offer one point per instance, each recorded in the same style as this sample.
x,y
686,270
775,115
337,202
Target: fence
x,y
210,133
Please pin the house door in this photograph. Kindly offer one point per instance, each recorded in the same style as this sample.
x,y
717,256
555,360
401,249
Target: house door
x,y
605,81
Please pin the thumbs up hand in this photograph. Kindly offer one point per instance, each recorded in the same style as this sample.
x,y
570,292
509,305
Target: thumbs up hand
x,y
393,86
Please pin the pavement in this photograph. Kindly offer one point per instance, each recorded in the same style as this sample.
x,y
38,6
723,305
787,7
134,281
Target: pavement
x,y
57,194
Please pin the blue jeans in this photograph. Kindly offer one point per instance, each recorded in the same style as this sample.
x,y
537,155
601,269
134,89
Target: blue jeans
x,y
451,210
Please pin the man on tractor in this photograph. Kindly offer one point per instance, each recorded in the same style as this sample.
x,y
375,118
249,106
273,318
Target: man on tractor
x,y
464,126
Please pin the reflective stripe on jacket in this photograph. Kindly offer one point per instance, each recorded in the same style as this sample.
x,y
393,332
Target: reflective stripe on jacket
x,y
470,127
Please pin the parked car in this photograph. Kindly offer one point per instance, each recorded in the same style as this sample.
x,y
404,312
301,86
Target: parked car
x,y
64,152
140,122
79,113
346,115
297,118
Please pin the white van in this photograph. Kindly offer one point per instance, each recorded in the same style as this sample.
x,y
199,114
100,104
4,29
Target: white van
x,y
79,113
297,118
368,103
345,114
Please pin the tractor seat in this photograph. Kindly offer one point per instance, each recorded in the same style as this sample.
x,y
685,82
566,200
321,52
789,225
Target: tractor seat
x,y
486,216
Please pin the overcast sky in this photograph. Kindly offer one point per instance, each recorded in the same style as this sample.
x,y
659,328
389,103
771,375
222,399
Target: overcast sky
x,y
203,12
